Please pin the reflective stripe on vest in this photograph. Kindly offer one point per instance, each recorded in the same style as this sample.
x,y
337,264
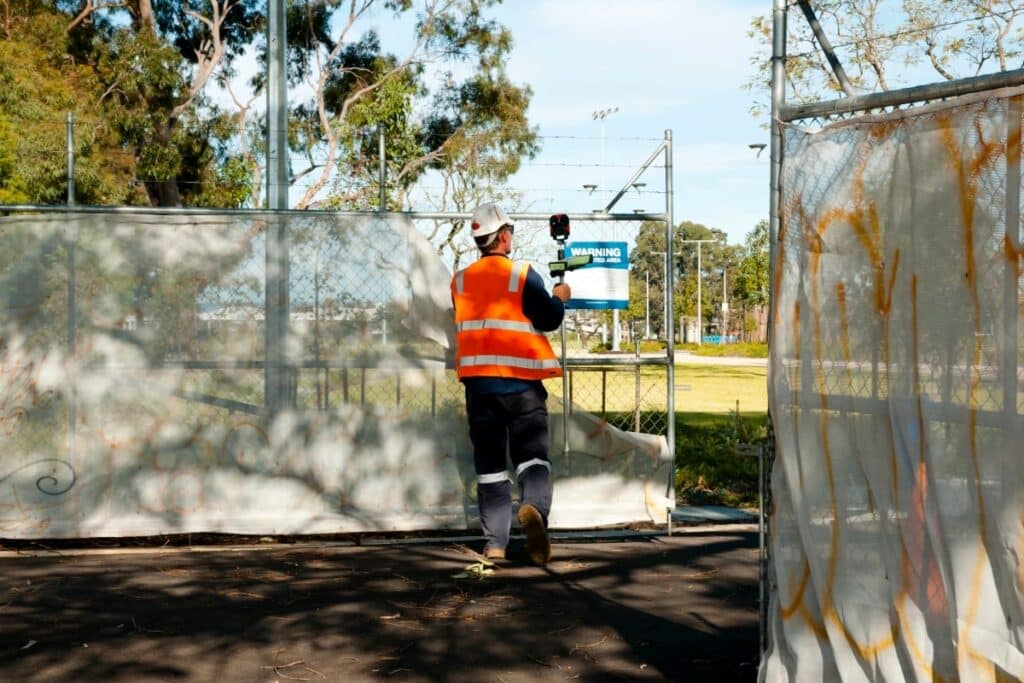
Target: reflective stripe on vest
x,y
494,324
518,272
510,361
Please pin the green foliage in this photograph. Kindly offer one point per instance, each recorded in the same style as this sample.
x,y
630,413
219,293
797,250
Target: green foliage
x,y
742,349
227,183
12,185
646,346
651,346
39,86
648,265
750,278
708,468
474,130
180,25
135,75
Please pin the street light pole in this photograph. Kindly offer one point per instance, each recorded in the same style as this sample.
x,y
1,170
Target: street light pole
x,y
601,115
700,322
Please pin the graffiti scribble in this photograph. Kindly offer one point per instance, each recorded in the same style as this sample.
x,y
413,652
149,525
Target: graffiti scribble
x,y
50,484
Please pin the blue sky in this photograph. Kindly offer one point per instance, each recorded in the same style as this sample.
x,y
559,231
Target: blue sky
x,y
666,64
677,64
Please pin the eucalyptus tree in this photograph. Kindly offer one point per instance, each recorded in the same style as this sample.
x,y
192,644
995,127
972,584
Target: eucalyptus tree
x,y
168,98
885,44
42,78
444,103
648,268
156,62
749,279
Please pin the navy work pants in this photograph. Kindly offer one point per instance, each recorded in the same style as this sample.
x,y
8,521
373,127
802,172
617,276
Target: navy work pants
x,y
516,425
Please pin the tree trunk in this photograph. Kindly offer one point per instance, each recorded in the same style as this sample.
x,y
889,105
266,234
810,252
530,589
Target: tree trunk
x,y
163,192
146,18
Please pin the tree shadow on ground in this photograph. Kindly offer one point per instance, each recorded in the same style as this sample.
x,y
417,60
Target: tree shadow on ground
x,y
656,608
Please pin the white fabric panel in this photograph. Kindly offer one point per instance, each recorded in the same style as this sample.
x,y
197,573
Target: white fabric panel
x,y
159,367
895,391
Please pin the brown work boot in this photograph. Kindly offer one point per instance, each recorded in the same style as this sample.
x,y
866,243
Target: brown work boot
x,y
538,546
494,554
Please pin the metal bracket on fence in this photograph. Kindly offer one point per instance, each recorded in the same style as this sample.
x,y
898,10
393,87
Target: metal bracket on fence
x,y
752,450
757,450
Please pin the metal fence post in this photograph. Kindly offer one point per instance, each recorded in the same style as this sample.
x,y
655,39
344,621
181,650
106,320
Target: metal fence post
x,y
669,336
71,236
636,376
277,390
1011,277
762,547
604,393
779,10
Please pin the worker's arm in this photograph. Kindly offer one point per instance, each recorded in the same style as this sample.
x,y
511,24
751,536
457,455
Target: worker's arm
x,y
545,310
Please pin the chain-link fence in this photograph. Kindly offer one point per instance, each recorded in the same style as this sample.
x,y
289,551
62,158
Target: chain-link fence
x,y
895,392
135,365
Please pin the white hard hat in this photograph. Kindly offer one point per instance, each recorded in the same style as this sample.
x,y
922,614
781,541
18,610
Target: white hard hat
x,y
488,219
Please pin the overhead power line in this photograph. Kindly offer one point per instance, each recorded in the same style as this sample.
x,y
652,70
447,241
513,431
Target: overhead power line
x,y
575,165
562,190
592,138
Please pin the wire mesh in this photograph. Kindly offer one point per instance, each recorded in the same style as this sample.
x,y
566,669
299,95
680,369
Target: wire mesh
x,y
139,340
199,307
896,388
850,271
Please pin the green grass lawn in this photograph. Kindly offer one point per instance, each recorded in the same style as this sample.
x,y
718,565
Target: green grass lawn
x,y
718,408
724,406
742,349
719,388
709,470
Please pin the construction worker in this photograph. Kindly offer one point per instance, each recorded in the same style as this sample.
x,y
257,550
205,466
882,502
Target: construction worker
x,y
502,310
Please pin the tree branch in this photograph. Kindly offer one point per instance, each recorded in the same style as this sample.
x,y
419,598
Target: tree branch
x,y
326,124
209,55
88,8
929,51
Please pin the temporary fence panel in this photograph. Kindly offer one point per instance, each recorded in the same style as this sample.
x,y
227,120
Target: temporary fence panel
x,y
895,392
133,354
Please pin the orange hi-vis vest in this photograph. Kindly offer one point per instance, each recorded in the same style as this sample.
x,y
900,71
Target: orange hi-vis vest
x,y
494,338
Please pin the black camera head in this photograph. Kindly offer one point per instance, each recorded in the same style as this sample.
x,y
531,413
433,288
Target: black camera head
x,y
559,223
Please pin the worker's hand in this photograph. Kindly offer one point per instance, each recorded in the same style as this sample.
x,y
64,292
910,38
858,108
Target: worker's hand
x,y
562,291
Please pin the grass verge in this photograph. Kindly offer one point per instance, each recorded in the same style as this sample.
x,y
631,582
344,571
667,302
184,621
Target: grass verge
x,y
708,469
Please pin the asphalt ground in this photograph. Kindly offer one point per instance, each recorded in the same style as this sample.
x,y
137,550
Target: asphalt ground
x,y
636,606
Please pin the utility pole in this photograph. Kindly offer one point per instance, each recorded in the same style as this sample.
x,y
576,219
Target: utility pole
x,y
601,115
700,321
